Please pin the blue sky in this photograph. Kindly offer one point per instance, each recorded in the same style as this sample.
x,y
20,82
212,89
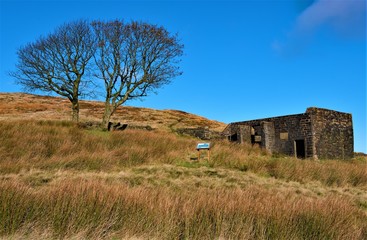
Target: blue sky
x,y
242,60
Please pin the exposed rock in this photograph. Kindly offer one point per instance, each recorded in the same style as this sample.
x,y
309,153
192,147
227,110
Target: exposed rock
x,y
116,126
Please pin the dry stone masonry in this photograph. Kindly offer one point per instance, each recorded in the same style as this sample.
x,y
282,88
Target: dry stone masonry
x,y
318,133
200,132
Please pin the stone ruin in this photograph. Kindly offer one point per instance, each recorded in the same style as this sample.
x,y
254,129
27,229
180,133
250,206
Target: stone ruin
x,y
318,133
202,133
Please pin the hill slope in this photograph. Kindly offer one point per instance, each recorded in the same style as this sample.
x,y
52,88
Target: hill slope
x,y
60,181
27,106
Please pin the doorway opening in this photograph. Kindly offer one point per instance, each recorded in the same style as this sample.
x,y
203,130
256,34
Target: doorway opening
x,y
299,148
233,138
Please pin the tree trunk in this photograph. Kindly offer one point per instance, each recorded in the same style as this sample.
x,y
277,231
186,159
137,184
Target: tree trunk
x,y
75,110
106,115
75,100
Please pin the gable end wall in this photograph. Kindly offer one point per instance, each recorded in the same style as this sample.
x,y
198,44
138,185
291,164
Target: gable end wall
x,y
332,134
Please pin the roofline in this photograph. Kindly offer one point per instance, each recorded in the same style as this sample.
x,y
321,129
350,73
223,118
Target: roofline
x,y
264,119
308,110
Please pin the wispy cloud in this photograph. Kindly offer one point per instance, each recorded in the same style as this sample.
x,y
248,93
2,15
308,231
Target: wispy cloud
x,y
347,18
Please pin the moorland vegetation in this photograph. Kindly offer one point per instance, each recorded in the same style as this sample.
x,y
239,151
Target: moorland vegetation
x,y
60,180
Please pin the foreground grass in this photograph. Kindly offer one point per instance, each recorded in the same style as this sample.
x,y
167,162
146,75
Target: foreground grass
x,y
102,210
60,181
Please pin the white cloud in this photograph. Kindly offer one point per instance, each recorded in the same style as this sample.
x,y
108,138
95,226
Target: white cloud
x,y
346,18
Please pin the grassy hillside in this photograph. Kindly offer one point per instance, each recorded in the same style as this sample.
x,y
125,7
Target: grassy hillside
x,y
60,181
27,106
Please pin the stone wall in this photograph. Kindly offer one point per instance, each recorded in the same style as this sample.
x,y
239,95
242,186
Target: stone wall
x,y
201,133
268,135
278,134
245,133
332,134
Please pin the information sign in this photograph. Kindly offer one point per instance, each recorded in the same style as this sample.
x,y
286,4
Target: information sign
x,y
203,146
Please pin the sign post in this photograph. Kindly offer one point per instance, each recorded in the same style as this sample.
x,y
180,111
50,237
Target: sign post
x,y
203,146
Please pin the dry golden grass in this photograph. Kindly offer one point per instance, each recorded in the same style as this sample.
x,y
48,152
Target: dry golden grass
x,y
96,209
59,181
25,145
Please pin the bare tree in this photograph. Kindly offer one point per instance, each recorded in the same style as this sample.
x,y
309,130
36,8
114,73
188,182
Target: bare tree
x,y
133,60
56,63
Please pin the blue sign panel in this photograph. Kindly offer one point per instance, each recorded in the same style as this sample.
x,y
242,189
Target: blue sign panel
x,y
203,146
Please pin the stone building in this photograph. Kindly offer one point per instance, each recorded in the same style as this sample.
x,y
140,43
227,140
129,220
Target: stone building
x,y
318,133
